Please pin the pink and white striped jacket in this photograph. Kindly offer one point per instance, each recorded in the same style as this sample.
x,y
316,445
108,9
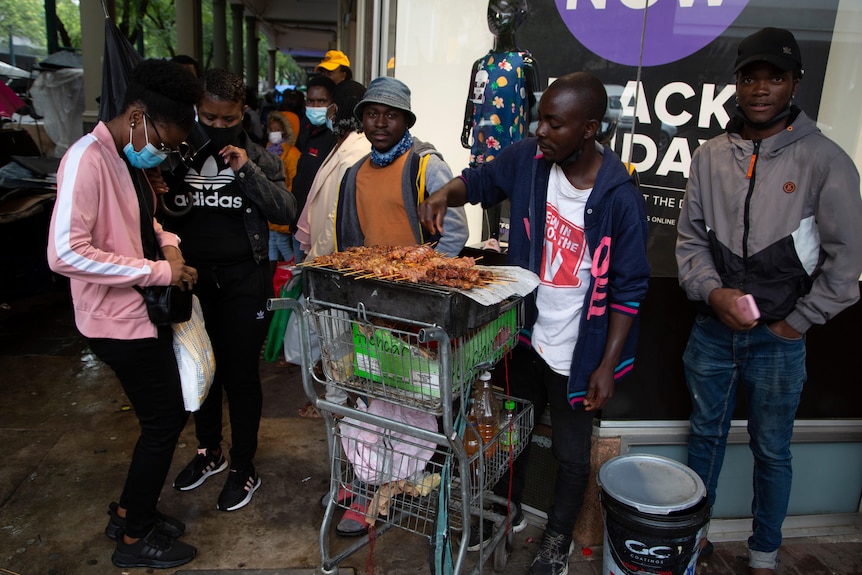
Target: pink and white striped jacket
x,y
95,240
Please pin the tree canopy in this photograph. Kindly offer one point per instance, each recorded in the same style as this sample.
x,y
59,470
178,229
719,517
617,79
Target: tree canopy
x,y
150,26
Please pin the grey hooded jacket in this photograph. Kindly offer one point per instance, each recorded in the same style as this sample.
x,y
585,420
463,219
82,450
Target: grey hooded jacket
x,y
788,234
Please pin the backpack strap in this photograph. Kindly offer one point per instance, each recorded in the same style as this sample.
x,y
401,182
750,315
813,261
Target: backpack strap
x,y
418,167
420,178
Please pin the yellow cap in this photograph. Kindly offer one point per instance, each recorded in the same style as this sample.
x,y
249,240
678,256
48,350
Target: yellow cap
x,y
334,59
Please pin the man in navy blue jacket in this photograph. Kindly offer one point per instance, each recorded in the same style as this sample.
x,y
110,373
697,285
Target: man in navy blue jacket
x,y
579,222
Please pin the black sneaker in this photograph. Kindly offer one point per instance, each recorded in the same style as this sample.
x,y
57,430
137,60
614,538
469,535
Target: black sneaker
x,y
238,489
199,469
154,550
478,541
165,524
519,522
553,556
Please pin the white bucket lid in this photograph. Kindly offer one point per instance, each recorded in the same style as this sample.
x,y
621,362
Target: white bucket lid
x,y
651,483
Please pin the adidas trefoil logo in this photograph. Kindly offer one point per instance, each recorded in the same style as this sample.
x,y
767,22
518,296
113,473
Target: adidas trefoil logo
x,y
210,177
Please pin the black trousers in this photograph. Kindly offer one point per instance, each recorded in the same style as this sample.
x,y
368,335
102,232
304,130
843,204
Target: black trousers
x,y
147,370
530,378
233,300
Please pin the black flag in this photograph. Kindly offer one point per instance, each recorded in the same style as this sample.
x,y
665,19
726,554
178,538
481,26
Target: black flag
x,y
117,65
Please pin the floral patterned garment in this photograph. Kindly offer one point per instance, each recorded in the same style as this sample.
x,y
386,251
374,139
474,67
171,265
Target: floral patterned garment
x,y
499,96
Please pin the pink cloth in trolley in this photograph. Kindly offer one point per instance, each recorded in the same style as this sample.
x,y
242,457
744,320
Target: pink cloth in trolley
x,y
380,455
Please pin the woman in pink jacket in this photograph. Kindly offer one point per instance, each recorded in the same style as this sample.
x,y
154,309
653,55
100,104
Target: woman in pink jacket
x,y
95,239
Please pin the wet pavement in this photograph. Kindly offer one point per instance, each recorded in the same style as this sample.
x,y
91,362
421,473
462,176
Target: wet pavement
x,y
66,433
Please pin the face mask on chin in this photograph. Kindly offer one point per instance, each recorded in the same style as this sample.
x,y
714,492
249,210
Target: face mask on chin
x,y
148,157
571,158
785,113
221,137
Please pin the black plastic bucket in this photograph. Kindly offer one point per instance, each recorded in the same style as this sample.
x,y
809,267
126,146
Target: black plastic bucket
x,y
655,512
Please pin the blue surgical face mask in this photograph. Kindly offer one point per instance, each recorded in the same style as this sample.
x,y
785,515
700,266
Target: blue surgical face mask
x,y
148,157
317,116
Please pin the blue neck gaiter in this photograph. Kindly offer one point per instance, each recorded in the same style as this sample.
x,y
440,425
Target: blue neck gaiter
x,y
383,159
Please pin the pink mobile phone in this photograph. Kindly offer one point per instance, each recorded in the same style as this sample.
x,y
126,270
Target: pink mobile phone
x,y
747,307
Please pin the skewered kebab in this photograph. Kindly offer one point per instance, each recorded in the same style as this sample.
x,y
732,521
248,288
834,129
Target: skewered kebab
x,y
416,264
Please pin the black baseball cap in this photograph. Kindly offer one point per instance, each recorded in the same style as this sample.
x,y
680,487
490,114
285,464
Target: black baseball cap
x,y
774,45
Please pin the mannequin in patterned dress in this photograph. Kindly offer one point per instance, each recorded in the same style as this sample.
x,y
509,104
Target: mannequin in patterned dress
x,y
502,86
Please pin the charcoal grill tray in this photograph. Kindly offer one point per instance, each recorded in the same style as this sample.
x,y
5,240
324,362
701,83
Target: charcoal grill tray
x,y
444,307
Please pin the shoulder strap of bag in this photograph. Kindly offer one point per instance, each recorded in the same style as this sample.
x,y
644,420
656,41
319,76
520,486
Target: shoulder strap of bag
x,y
418,168
420,179
149,240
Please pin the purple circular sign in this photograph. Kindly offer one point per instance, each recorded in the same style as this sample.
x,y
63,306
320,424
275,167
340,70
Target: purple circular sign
x,y
674,28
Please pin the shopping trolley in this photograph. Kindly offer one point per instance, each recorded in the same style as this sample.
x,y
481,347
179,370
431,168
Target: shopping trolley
x,y
417,349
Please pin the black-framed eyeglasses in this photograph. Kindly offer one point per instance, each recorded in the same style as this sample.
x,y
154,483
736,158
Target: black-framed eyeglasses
x,y
183,152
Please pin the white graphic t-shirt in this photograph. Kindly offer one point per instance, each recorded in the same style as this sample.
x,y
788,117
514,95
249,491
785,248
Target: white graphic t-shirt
x,y
564,273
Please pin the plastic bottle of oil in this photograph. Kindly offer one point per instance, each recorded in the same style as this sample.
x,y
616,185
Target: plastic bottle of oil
x,y
471,446
486,410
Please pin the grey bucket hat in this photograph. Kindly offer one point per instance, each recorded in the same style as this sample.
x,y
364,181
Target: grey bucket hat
x,y
389,92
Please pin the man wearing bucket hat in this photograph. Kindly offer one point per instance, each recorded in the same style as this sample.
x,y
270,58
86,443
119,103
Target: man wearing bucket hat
x,y
380,193
335,66
772,210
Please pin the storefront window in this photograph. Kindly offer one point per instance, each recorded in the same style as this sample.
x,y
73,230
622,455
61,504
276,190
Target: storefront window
x,y
668,69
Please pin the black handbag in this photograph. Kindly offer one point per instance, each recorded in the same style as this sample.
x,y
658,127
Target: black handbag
x,y
165,304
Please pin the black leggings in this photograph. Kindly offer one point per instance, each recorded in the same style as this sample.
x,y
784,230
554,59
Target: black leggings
x,y
147,370
233,299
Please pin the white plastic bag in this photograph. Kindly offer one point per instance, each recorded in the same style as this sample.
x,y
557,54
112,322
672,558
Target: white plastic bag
x,y
292,345
381,455
195,358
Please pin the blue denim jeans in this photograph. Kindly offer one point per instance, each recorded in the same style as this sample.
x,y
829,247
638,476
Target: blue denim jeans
x,y
298,254
771,371
280,246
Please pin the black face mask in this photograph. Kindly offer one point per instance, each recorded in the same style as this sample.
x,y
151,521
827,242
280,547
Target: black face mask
x,y
221,137
763,125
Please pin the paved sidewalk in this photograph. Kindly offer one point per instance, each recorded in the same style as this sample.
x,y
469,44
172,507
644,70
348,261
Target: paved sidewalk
x,y
66,433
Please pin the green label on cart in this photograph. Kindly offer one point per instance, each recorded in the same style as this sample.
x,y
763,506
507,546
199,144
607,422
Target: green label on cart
x,y
384,356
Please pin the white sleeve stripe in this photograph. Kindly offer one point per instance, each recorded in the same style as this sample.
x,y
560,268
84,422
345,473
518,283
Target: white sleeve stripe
x,y
63,221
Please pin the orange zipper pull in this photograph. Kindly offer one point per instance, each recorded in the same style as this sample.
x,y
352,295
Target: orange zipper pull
x,y
751,166
753,159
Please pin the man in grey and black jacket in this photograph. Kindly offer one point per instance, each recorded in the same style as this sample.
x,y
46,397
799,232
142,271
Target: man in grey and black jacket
x,y
772,209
